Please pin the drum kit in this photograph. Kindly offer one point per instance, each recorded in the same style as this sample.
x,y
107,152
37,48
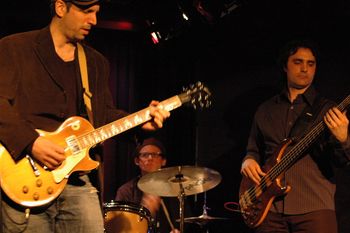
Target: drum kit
x,y
178,181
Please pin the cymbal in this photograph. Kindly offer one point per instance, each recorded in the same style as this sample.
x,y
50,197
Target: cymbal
x,y
166,182
203,219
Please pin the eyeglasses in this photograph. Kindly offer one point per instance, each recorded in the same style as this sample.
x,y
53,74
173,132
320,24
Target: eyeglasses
x,y
145,155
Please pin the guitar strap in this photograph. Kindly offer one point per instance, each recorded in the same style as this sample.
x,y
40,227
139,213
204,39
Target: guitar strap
x,y
87,96
307,118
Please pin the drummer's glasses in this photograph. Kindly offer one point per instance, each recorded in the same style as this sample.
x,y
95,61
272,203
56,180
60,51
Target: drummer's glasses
x,y
146,155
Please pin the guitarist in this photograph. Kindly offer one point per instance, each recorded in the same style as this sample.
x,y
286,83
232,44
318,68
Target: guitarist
x,y
40,87
309,205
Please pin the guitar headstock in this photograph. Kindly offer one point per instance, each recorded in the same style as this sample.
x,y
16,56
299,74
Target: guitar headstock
x,y
197,95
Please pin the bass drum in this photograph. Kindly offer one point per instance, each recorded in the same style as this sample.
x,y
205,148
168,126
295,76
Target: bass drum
x,y
126,217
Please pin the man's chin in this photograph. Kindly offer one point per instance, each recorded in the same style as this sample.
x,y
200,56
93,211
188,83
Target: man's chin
x,y
80,37
300,86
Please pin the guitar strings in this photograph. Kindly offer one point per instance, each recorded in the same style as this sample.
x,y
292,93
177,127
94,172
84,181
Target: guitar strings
x,y
285,163
119,125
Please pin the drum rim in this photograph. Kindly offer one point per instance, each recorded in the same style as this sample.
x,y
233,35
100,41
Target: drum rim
x,y
128,207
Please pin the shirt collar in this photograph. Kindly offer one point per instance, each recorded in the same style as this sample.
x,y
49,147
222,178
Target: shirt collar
x,y
308,96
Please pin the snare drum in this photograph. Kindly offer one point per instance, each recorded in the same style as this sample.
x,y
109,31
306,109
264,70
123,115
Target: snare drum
x,y
126,217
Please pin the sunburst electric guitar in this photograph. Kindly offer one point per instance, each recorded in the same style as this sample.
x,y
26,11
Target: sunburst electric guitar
x,y
256,200
29,184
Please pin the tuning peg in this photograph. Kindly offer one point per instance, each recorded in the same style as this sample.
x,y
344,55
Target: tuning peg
x,y
193,102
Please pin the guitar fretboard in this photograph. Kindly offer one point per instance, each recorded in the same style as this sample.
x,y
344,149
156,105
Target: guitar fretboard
x,y
119,126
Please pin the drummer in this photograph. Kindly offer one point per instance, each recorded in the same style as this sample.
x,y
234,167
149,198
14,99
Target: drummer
x,y
150,156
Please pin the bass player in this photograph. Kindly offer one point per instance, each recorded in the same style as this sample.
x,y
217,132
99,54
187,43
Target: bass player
x,y
308,186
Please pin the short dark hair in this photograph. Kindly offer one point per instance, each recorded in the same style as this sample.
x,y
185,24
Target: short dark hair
x,y
292,47
150,141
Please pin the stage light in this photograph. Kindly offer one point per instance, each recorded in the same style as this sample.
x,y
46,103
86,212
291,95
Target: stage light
x,y
184,16
116,25
213,10
155,37
167,22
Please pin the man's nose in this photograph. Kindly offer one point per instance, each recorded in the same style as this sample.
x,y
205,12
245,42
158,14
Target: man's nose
x,y
93,19
304,67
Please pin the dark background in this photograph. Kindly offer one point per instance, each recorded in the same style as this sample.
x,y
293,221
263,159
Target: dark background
x,y
233,54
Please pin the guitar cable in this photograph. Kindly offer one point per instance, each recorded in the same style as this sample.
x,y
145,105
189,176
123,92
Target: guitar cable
x,y
235,207
27,213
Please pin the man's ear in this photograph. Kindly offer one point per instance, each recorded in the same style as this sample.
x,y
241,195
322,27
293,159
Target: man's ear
x,y
60,8
136,161
163,162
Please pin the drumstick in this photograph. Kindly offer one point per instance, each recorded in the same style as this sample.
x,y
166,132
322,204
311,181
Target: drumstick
x,y
167,215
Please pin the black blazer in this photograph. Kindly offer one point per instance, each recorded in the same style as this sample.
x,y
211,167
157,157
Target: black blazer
x,y
31,96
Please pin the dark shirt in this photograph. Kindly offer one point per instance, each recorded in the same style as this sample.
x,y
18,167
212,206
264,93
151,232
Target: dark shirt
x,y
129,192
69,79
311,177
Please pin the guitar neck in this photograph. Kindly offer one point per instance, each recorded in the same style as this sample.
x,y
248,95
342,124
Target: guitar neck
x,y
298,150
121,125
197,94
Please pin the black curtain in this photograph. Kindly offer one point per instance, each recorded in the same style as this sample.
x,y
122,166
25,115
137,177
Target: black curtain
x,y
119,48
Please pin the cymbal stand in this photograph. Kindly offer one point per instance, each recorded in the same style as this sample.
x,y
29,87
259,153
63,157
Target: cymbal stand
x,y
205,213
181,197
205,208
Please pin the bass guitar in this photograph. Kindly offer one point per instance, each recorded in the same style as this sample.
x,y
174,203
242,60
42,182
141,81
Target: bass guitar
x,y
256,200
29,184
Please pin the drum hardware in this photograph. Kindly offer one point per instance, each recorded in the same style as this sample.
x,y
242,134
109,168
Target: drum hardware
x,y
203,219
126,217
179,181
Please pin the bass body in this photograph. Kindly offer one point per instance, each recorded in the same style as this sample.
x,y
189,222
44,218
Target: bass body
x,y
256,200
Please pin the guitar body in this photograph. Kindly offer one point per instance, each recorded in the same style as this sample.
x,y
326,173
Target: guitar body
x,y
27,188
76,126
256,200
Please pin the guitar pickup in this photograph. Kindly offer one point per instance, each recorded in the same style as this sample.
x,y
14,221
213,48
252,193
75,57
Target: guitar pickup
x,y
73,144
